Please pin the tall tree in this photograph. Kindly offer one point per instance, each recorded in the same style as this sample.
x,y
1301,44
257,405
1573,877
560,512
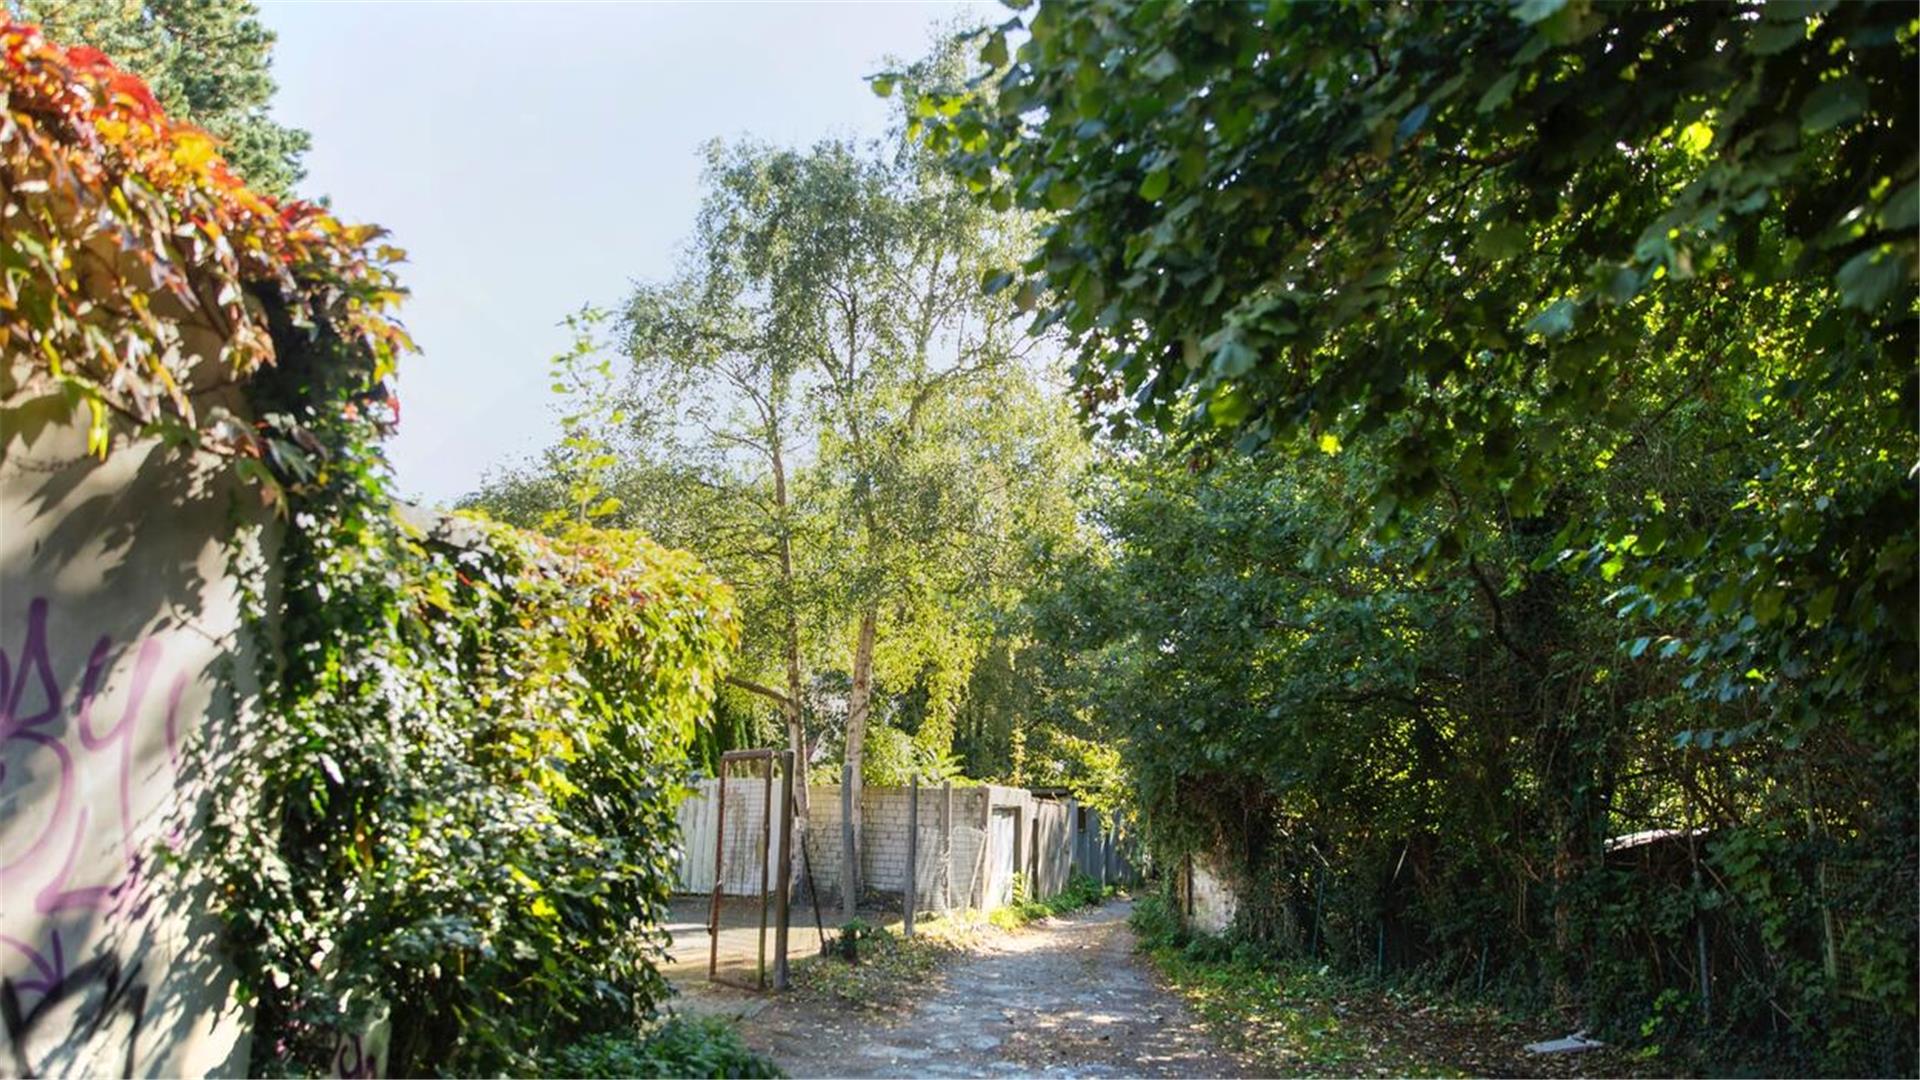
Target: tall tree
x,y
209,62
1609,313
703,340
1309,223
829,317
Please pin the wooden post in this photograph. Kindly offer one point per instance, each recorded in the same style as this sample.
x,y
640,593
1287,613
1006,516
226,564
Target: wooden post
x,y
849,858
1077,827
783,899
946,847
1033,859
910,893
1020,846
1106,858
985,861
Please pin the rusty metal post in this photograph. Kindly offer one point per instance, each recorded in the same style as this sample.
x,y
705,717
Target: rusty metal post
x,y
766,852
719,850
782,911
849,858
911,893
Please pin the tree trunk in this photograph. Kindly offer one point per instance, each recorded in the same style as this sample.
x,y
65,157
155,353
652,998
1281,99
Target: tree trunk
x,y
796,724
793,709
859,707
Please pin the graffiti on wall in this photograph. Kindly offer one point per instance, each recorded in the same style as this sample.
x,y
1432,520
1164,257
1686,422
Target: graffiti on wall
x,y
71,854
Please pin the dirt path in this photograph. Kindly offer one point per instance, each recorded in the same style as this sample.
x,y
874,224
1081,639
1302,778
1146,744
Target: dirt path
x,y
1063,998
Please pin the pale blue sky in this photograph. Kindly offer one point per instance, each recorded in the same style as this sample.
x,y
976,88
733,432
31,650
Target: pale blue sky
x,y
534,157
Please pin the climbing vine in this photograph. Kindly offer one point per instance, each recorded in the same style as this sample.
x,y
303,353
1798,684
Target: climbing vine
x,y
134,255
452,801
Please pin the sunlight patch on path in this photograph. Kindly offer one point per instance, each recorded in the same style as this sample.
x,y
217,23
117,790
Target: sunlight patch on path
x,y
1065,997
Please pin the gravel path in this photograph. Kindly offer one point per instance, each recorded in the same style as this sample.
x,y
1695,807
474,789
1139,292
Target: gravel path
x,y
1065,997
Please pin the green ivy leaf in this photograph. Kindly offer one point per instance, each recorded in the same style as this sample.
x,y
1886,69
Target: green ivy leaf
x,y
1834,103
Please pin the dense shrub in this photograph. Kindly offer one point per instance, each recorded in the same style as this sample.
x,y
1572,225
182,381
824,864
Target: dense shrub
x,y
679,1047
454,801
1081,891
470,760
1541,390
1155,922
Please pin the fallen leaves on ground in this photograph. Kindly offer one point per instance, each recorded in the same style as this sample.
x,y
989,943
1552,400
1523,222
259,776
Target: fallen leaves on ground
x,y
1293,1022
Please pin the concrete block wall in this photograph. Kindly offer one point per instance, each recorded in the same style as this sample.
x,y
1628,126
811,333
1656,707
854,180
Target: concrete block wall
x,y
883,851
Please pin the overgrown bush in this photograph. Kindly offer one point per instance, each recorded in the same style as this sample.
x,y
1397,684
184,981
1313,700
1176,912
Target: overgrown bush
x,y
1542,390
1155,923
454,796
471,759
678,1047
468,758
1081,891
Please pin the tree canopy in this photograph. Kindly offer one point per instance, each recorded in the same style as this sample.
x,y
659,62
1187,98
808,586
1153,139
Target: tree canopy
x,y
849,430
208,62
1512,439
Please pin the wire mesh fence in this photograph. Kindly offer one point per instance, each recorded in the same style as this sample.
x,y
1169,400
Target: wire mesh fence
x,y
749,899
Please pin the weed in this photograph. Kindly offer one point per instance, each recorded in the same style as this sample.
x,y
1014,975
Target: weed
x,y
679,1046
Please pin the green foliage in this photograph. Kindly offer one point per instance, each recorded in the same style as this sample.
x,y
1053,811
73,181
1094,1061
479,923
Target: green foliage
x,y
894,758
1574,344
823,405
857,938
454,800
1292,1017
679,1047
1613,216
469,746
1292,1022
1080,892
1415,769
584,377
209,63
885,973
1094,772
1155,923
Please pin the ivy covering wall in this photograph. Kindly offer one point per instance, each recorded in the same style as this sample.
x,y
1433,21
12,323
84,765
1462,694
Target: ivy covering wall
x,y
455,801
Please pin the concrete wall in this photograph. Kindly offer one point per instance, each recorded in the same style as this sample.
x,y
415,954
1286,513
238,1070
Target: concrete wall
x,y
883,851
119,644
1208,901
1050,834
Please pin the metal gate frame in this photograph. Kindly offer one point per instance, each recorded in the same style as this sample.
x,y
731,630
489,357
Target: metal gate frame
x,y
778,897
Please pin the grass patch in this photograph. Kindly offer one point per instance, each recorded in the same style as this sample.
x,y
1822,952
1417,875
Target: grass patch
x,y
1290,1018
1288,1022
875,969
1081,892
677,1046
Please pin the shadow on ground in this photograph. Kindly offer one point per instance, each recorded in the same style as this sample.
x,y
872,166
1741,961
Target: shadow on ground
x,y
1065,997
